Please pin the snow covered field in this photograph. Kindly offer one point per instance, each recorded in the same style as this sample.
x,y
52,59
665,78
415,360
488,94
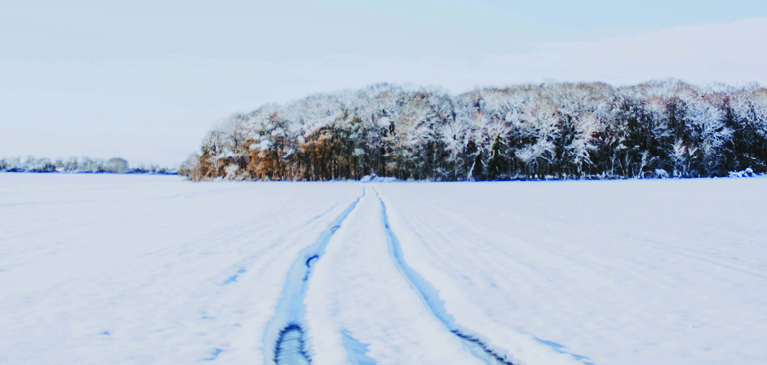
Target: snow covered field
x,y
119,269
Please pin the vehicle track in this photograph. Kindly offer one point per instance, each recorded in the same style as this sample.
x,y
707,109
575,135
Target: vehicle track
x,y
474,343
285,331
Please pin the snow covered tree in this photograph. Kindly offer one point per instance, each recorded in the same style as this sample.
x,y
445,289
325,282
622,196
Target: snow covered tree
x,y
555,130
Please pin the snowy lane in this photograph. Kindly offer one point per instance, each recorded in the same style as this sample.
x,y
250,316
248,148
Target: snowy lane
x,y
145,269
358,295
626,272
476,344
285,331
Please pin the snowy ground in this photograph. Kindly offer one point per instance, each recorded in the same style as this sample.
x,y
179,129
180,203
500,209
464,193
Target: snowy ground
x,y
108,269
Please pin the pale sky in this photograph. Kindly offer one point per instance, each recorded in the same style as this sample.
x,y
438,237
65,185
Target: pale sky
x,y
145,81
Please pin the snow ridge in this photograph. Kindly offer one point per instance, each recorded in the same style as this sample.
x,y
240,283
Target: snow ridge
x,y
477,345
285,331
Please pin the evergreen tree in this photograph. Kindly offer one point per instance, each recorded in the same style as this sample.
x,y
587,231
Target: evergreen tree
x,y
476,168
496,165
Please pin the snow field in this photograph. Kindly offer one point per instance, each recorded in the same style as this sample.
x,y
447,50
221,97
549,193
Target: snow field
x,y
612,272
111,269
145,269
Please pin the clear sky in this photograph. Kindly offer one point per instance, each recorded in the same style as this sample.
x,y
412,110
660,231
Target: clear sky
x,y
146,79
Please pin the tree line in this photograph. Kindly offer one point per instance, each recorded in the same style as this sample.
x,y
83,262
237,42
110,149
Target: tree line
x,y
79,165
547,131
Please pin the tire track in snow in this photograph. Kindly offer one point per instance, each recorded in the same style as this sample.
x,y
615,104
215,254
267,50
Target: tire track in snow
x,y
243,266
474,343
285,331
441,234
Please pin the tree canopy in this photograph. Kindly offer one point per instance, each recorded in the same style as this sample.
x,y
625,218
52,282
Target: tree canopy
x,y
560,130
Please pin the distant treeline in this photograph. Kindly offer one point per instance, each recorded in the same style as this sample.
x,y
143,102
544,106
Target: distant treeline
x,y
79,165
559,131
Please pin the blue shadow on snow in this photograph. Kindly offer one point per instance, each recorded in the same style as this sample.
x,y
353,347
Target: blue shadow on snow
x,y
285,331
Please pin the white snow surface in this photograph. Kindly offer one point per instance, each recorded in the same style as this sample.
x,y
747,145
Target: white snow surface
x,y
120,269
111,269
